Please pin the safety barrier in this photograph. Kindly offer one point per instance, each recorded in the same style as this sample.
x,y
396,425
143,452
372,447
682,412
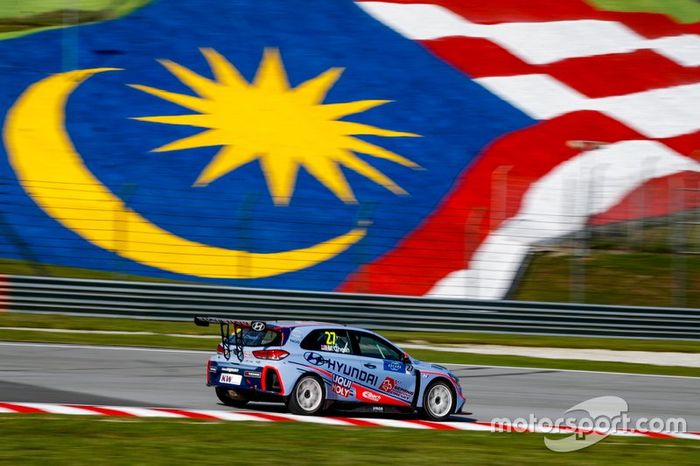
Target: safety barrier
x,y
182,301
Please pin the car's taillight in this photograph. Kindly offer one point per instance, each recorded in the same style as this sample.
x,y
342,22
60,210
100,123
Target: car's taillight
x,y
273,354
219,349
208,371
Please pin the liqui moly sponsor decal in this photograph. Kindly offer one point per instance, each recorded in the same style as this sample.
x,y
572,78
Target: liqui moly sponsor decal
x,y
342,386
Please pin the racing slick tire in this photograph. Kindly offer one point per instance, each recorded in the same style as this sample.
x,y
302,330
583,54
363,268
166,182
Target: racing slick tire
x,y
438,401
233,398
308,397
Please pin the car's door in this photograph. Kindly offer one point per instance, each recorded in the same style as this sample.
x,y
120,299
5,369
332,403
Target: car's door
x,y
395,380
329,351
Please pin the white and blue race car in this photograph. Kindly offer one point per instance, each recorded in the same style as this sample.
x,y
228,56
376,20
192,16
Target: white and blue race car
x,y
311,366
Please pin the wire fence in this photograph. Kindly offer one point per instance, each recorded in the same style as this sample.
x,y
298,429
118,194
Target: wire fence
x,y
514,241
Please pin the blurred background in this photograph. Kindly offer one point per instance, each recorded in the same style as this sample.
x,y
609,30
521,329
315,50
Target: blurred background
x,y
576,179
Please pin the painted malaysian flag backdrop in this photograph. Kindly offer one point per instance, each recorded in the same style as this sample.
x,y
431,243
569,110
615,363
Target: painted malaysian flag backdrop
x,y
616,97
396,147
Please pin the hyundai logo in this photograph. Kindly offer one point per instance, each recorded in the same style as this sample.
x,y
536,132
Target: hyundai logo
x,y
257,325
315,358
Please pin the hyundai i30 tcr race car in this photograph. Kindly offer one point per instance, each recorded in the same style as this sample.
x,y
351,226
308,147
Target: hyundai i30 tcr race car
x,y
311,366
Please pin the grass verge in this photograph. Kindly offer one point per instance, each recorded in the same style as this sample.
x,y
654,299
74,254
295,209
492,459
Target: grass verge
x,y
28,16
614,277
62,440
54,321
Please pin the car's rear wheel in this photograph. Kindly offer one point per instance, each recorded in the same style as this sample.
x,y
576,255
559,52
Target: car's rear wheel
x,y
438,401
233,398
308,396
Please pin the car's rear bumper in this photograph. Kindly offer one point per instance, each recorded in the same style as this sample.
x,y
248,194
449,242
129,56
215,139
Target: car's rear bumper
x,y
264,379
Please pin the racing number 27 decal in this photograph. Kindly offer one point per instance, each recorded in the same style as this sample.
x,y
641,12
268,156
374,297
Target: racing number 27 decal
x,y
331,338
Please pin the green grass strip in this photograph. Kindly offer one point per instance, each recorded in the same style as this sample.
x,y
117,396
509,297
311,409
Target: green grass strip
x,y
683,11
18,18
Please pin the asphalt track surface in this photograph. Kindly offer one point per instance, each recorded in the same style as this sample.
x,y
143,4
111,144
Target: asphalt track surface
x,y
49,373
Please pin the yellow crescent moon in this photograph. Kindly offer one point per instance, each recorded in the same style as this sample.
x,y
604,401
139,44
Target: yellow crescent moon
x,y
52,172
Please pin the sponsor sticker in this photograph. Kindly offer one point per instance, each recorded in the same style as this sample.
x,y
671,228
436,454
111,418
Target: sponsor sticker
x,y
371,396
335,349
388,384
232,379
342,391
402,393
394,366
295,336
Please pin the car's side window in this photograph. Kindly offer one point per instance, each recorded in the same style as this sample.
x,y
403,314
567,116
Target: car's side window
x,y
373,347
331,340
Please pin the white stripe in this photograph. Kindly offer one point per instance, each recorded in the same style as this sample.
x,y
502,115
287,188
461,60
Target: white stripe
x,y
684,49
99,347
229,415
626,433
558,204
58,409
657,113
536,42
144,412
539,95
633,374
394,423
7,411
64,330
314,419
468,426
686,436
107,332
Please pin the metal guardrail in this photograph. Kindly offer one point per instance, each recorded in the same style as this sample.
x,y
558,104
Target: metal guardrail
x,y
179,302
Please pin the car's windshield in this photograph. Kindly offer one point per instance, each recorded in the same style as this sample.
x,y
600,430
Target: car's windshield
x,y
252,338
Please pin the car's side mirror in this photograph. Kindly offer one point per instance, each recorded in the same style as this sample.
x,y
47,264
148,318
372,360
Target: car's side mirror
x,y
406,359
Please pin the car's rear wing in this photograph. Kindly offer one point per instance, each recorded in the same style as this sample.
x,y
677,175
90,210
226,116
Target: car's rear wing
x,y
225,330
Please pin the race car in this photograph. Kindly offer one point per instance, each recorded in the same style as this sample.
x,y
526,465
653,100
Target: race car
x,y
312,366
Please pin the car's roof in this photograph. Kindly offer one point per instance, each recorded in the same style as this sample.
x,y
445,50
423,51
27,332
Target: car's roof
x,y
313,325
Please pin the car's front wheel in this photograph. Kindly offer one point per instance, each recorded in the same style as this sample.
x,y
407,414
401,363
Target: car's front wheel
x,y
308,396
438,401
233,398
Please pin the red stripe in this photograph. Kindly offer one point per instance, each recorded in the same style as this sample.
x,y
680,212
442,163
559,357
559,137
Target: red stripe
x,y
431,425
268,417
355,422
650,25
660,196
447,239
595,76
651,434
687,144
188,414
22,409
103,411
